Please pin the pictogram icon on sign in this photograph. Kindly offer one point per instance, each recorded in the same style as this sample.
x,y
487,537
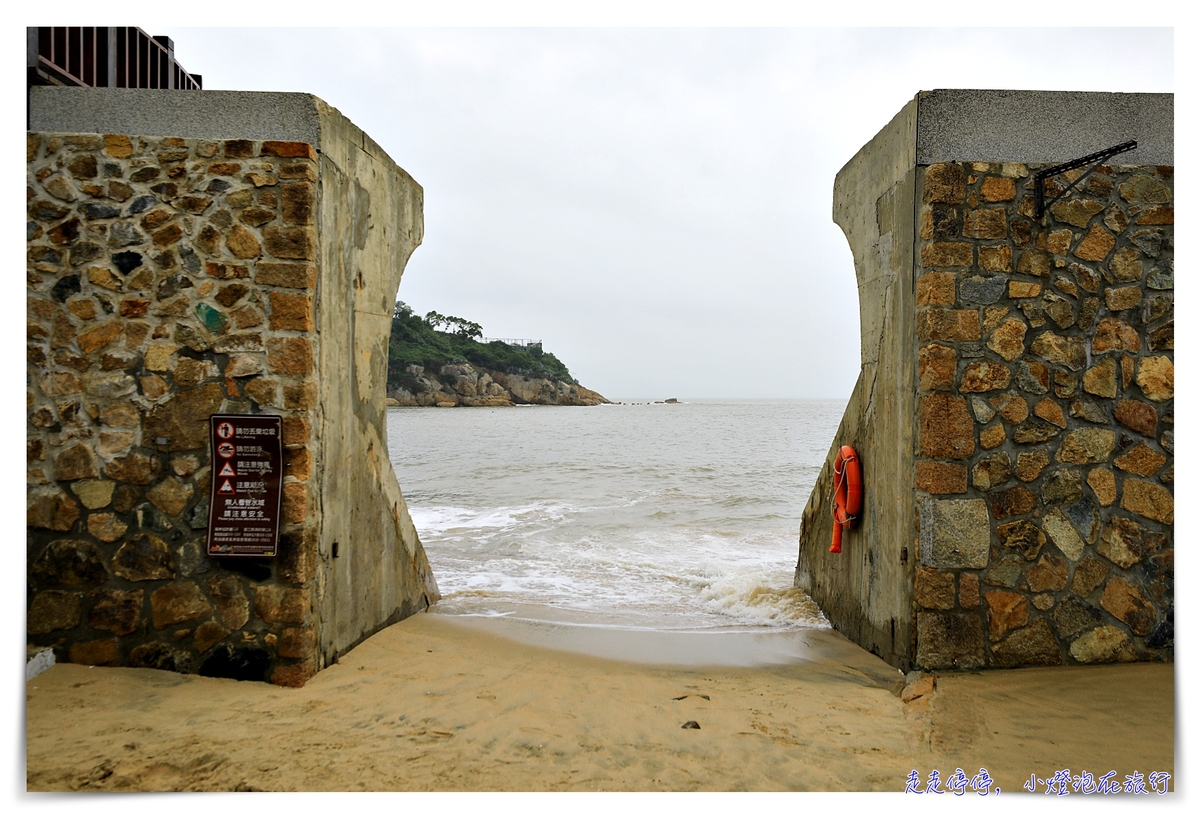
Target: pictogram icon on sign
x,y
226,488
226,449
225,430
227,470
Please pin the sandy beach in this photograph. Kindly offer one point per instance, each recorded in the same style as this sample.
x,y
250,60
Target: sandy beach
x,y
434,704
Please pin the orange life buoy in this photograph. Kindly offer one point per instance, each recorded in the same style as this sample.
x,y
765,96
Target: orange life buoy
x,y
847,494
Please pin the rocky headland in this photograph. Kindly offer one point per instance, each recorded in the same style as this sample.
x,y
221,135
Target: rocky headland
x,y
443,360
461,384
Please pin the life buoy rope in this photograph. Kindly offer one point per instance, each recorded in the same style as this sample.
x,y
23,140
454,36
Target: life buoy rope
x,y
847,494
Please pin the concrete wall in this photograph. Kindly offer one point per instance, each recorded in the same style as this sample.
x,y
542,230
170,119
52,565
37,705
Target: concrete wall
x,y
371,222
865,590
1033,491
266,267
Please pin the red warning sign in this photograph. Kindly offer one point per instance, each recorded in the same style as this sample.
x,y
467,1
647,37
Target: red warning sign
x,y
247,478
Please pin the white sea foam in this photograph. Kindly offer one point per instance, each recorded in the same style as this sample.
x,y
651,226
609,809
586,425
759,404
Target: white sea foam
x,y
641,519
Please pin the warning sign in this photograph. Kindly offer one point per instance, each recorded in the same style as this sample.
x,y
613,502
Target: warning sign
x,y
247,469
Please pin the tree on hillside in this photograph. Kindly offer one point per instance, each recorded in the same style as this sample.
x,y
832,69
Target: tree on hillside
x,y
453,325
464,328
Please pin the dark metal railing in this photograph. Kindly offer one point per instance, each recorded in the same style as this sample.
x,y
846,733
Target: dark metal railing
x,y
512,342
105,57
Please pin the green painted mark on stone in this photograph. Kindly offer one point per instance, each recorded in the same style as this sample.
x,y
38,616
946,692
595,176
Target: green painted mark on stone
x,y
213,319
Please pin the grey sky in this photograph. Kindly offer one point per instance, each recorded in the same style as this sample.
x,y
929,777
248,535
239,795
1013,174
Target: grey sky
x,y
652,203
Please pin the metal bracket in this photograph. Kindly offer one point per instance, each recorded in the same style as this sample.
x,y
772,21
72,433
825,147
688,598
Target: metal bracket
x,y
1099,157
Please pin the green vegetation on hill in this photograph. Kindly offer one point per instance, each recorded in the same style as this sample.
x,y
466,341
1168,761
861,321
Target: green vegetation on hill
x,y
420,340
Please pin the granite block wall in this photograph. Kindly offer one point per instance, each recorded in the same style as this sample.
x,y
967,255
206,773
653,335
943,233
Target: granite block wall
x,y
168,279
1045,417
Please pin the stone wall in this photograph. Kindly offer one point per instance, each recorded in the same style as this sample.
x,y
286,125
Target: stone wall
x,y
171,278
1045,421
1014,413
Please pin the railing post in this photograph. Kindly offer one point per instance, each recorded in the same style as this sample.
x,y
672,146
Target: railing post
x,y
110,69
166,66
31,52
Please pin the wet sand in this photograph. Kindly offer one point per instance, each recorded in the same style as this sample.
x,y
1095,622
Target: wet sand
x,y
433,703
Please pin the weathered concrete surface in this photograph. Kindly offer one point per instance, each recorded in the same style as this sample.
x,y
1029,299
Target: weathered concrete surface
x,y
866,590
1042,126
257,115
369,224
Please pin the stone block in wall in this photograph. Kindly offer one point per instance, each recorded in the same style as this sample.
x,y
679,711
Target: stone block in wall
x,y
946,429
954,534
1029,646
949,641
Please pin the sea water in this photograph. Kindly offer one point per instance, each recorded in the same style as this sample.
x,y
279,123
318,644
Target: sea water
x,y
670,519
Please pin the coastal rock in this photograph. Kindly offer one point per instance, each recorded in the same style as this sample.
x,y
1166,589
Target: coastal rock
x,y
545,391
467,385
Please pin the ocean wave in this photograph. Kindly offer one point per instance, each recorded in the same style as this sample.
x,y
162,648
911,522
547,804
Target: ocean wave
x,y
438,521
745,598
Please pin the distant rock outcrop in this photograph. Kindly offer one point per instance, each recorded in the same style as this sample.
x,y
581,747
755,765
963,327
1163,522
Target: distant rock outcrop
x,y
462,384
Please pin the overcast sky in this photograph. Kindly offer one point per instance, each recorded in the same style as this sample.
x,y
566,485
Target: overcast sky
x,y
654,204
